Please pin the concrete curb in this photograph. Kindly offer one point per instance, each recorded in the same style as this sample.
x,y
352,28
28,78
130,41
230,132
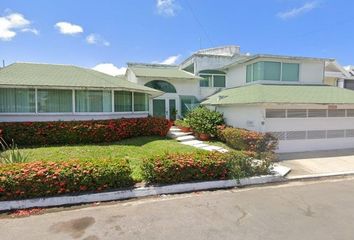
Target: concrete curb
x,y
138,192
319,175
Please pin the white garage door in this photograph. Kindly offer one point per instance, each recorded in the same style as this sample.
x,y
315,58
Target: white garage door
x,y
311,129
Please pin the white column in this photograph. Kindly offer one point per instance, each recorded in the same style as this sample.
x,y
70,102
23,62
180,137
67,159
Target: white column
x,y
112,101
73,101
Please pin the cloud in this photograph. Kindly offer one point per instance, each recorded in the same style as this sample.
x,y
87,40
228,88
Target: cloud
x,y
167,7
307,7
12,23
97,39
31,30
171,60
110,69
68,28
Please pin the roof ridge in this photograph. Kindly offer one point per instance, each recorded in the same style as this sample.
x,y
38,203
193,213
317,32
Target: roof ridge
x,y
52,64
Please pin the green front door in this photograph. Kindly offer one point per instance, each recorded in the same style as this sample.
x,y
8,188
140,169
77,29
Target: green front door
x,y
172,109
159,108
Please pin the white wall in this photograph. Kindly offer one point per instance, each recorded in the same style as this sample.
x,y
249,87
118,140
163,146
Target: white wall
x,y
67,117
210,62
247,116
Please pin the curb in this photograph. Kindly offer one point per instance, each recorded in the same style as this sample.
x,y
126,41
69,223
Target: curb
x,y
138,192
319,175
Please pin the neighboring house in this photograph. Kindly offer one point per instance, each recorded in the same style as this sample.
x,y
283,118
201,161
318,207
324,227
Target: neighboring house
x,y
288,96
47,92
336,75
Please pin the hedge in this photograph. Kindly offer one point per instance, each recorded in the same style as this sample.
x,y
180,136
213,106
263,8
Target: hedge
x,y
201,166
42,179
263,144
77,132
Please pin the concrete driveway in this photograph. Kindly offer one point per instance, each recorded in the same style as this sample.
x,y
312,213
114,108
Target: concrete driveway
x,y
306,163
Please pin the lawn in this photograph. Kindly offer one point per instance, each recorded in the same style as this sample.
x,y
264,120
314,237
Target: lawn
x,y
134,149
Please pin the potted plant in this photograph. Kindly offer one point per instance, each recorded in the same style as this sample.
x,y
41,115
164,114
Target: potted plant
x,y
204,122
183,125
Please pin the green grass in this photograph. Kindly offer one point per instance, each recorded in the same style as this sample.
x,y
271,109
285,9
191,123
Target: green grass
x,y
134,149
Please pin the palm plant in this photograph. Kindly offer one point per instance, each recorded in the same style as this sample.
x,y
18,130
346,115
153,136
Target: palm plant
x,y
9,153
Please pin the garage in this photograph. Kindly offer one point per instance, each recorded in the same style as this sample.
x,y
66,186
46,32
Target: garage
x,y
302,117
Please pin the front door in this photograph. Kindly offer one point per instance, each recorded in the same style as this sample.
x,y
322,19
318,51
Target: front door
x,y
159,107
166,108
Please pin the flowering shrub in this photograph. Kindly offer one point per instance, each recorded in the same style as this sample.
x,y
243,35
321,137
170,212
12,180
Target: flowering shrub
x,y
41,179
203,120
200,166
262,144
76,132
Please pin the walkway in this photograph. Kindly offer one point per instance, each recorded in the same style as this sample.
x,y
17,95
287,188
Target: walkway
x,y
189,139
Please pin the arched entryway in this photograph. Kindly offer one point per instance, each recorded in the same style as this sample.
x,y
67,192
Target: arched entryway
x,y
167,104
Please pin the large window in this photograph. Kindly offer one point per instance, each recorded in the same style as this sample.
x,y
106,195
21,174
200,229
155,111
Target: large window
x,y
162,86
188,103
141,102
17,100
272,71
212,78
290,72
93,101
122,101
54,101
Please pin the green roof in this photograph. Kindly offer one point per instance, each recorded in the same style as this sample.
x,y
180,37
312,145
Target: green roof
x,y
160,71
292,94
51,75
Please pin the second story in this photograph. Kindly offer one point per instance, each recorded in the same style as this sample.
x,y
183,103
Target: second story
x,y
209,71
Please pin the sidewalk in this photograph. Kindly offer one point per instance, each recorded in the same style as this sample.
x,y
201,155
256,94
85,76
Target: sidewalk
x,y
319,162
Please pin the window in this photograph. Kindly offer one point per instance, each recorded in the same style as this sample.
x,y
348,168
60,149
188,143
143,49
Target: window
x,y
219,81
335,133
123,101
212,78
188,103
275,113
272,71
249,75
350,112
162,86
336,113
290,72
316,134
54,101
295,135
17,100
297,113
312,113
206,81
93,101
141,102
266,71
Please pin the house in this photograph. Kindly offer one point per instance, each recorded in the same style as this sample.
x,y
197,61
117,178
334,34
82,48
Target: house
x,y
47,92
339,76
295,98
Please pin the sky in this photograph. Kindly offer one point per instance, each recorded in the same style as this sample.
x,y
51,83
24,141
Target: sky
x,y
107,34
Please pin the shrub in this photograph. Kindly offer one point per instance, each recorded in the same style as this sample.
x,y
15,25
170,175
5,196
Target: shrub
x,y
41,179
182,123
202,166
184,167
262,144
241,165
77,132
9,153
203,120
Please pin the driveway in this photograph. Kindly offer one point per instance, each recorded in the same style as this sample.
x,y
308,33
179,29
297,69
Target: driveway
x,y
305,163
297,210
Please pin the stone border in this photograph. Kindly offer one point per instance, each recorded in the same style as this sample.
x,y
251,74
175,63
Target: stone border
x,y
138,192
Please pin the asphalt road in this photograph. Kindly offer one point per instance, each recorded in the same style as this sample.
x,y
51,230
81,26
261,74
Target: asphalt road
x,y
304,210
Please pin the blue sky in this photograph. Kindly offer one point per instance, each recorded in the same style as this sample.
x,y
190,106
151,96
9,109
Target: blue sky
x,y
88,33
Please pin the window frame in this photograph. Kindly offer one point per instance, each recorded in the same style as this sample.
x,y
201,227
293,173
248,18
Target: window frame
x,y
211,81
251,69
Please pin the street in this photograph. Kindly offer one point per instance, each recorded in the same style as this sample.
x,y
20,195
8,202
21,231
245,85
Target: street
x,y
296,210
